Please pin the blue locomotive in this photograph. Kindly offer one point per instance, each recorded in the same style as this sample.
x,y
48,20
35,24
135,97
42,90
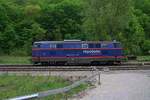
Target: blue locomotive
x,y
77,52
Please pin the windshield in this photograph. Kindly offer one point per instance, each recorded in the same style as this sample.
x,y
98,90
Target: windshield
x,y
36,45
117,45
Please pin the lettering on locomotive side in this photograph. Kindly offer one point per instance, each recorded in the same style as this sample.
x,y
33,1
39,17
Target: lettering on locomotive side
x,y
91,51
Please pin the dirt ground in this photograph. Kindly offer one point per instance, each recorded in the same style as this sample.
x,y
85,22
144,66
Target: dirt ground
x,y
123,85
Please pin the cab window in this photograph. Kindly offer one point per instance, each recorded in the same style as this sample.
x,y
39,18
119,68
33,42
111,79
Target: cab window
x,y
117,45
104,45
52,45
36,45
84,45
59,46
91,45
98,45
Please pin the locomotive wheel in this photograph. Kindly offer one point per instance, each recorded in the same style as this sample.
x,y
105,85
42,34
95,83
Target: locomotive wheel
x,y
44,63
95,63
61,63
117,62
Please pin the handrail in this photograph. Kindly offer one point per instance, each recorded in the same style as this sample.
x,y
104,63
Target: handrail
x,y
25,97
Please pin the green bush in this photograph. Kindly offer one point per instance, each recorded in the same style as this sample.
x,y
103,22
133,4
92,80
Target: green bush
x,y
146,47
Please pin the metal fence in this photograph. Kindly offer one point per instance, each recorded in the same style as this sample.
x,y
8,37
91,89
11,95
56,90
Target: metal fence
x,y
60,90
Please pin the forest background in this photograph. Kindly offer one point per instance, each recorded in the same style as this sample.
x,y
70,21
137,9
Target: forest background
x,y
24,21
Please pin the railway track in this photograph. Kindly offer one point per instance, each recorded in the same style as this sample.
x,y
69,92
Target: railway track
x,y
126,66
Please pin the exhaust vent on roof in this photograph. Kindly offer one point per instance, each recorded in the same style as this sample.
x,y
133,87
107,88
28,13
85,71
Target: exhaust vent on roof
x,y
72,40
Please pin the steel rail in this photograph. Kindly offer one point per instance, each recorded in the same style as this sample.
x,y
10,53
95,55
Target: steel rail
x,y
71,68
31,65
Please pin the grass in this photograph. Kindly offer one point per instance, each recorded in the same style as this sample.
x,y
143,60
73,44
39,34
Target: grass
x,y
27,59
12,86
14,60
143,58
68,94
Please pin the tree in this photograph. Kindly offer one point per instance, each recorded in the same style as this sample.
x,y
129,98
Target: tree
x,y
61,19
4,19
135,36
107,16
8,39
32,11
146,47
142,11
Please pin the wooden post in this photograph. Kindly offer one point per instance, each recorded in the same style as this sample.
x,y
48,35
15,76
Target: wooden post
x,y
99,78
92,70
66,96
49,73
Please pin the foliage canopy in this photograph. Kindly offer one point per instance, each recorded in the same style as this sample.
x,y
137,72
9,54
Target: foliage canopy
x,y
24,21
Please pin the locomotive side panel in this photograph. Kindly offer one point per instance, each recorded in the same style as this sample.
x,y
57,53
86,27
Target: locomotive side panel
x,y
77,53
80,55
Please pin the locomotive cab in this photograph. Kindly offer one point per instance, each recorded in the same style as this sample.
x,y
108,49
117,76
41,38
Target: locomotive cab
x,y
36,53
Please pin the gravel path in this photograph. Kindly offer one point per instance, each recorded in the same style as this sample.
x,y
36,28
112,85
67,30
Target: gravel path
x,y
121,86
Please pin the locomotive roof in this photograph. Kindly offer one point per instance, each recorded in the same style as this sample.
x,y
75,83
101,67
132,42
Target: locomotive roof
x,y
76,42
